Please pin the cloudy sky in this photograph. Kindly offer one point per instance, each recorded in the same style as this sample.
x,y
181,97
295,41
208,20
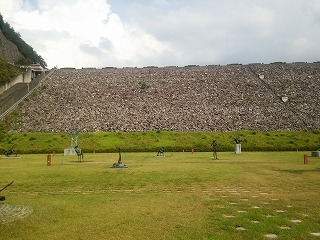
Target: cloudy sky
x,y
123,33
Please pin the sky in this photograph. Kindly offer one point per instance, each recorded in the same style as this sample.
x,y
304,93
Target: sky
x,y
139,33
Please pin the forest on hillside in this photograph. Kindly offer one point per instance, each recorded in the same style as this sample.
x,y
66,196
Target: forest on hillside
x,y
29,55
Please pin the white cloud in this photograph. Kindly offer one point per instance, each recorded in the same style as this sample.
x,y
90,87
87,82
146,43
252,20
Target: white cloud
x,y
79,33
70,33
245,31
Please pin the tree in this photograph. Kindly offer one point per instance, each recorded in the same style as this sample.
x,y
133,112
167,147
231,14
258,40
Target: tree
x,y
7,71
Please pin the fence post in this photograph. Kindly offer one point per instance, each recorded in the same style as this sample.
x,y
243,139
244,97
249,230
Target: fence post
x,y
49,160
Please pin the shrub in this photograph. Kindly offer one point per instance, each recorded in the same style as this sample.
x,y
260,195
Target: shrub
x,y
143,86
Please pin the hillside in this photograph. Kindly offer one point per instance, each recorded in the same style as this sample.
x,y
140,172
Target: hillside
x,y
187,99
8,51
14,49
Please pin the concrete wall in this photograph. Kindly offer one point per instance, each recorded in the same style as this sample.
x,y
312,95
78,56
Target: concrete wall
x,y
24,77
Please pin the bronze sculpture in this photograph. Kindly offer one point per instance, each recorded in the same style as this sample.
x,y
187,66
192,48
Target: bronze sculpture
x,y
214,145
79,153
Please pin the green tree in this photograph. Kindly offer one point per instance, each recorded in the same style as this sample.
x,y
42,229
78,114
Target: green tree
x,y
3,133
7,72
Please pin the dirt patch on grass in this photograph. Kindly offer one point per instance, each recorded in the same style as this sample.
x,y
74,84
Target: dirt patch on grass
x,y
10,213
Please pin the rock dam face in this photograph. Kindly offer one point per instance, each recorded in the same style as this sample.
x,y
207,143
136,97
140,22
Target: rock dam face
x,y
262,97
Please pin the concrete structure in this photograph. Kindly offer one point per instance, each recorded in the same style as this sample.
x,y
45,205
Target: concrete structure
x,y
69,152
237,148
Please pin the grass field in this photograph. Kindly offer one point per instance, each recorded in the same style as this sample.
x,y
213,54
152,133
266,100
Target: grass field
x,y
181,196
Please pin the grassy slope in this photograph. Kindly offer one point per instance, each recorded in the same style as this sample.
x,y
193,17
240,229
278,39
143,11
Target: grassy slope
x,y
172,141
7,72
181,196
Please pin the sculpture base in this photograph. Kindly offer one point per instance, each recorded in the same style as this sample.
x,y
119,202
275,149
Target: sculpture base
x,y
119,165
315,154
214,158
237,148
69,152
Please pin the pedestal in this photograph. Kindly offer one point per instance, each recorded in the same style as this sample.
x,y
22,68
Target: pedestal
x,y
237,148
119,165
69,152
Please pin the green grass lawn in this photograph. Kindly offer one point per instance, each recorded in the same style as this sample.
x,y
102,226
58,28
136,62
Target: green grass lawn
x,y
151,141
180,196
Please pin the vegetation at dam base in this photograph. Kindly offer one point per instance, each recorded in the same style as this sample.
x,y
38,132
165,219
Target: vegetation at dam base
x,y
151,141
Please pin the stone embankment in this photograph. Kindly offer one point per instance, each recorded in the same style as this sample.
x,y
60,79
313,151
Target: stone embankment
x,y
262,97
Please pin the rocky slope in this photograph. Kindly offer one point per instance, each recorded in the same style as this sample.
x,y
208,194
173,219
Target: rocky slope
x,y
8,51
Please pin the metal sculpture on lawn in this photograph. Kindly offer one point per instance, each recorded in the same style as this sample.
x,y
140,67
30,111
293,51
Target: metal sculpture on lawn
x,y
10,151
79,153
74,138
161,152
119,164
2,198
214,145
237,140
237,145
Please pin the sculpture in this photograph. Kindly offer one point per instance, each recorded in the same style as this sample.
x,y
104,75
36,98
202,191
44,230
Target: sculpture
x,y
79,153
119,161
237,140
2,198
214,145
73,143
74,138
161,152
237,145
119,164
10,151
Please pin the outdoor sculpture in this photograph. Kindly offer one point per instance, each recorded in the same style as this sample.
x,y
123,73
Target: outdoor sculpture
x,y
73,143
161,152
119,164
79,153
315,153
237,145
74,138
10,151
237,140
2,198
214,145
